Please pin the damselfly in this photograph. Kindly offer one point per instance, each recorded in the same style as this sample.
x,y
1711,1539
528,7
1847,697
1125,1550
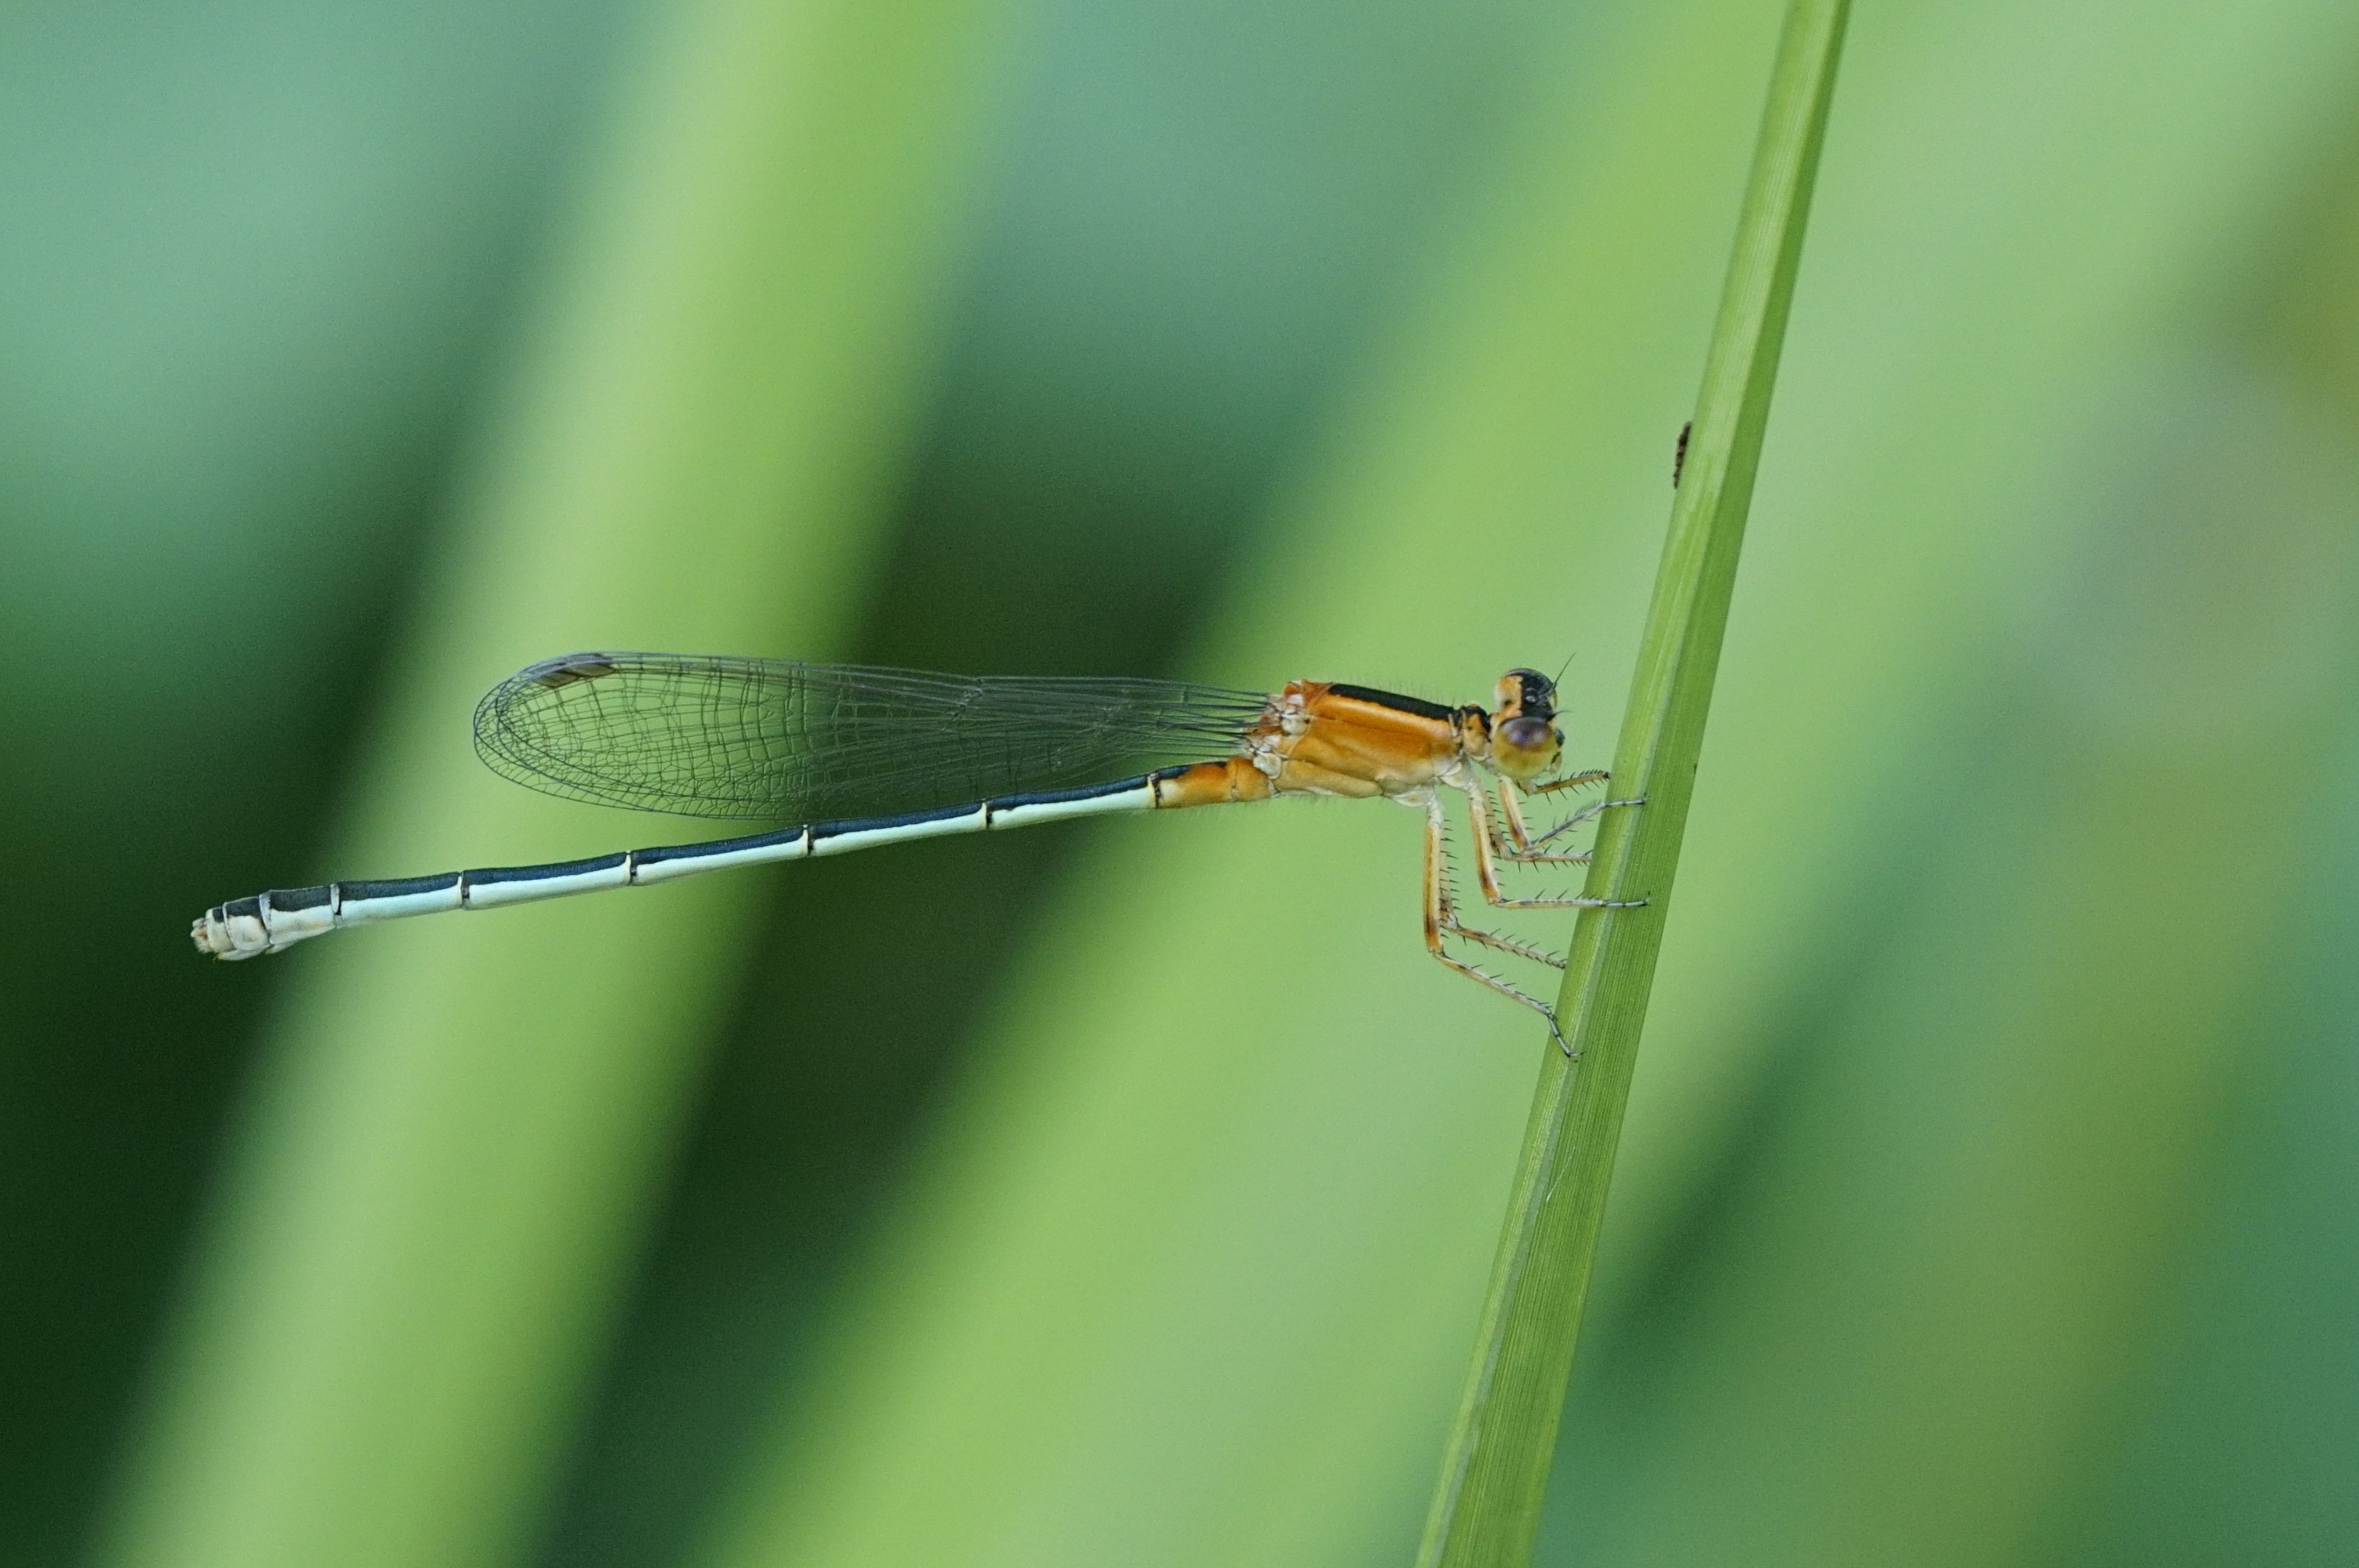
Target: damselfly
x,y
862,756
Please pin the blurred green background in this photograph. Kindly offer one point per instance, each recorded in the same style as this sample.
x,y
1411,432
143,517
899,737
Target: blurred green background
x,y
1123,1193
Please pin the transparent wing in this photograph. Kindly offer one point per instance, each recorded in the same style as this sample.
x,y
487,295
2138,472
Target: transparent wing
x,y
770,738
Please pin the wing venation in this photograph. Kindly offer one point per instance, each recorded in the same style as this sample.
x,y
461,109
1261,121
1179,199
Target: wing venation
x,y
717,735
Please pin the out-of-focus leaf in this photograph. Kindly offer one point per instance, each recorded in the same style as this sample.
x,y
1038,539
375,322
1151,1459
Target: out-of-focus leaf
x,y
420,1234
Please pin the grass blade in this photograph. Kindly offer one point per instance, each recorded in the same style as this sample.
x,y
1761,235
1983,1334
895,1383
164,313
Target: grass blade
x,y
1493,1479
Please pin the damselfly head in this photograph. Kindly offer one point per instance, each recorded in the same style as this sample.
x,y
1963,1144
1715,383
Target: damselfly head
x,y
1525,741
1527,693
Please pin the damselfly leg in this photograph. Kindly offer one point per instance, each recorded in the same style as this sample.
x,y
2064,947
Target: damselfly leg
x,y
1441,924
1589,812
1487,867
1441,921
1520,845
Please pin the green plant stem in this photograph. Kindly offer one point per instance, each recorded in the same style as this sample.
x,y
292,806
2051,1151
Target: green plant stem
x,y
1486,1508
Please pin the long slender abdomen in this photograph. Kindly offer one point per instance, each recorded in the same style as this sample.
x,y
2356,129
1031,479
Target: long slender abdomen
x,y
247,928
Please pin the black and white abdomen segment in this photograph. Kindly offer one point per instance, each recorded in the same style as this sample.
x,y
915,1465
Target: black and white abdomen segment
x,y
266,922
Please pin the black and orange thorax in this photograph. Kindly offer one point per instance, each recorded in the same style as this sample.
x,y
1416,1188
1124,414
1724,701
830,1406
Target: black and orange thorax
x,y
1320,738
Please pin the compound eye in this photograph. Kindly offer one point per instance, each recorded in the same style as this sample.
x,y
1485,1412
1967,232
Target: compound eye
x,y
1527,734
